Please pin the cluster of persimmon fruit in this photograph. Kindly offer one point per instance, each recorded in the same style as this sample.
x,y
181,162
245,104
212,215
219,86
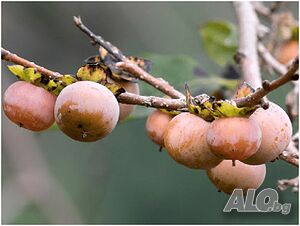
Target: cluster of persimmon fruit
x,y
232,150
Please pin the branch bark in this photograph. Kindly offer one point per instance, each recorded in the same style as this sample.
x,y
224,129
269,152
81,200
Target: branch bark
x,y
248,23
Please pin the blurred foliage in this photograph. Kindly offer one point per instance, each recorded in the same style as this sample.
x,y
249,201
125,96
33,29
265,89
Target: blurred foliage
x,y
220,40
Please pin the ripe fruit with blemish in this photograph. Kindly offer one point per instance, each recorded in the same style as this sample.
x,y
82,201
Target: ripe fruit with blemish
x,y
86,111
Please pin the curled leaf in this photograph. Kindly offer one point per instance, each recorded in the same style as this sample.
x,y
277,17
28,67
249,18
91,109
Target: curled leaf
x,y
209,108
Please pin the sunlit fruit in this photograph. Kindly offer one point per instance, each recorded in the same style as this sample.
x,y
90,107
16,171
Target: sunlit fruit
x,y
127,109
276,130
234,138
29,106
156,125
227,177
86,111
185,141
287,51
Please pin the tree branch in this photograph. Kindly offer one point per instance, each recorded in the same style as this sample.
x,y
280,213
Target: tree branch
x,y
269,86
270,60
128,66
125,98
99,40
8,56
291,154
152,101
248,23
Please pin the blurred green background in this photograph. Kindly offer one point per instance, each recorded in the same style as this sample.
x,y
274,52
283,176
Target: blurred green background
x,y
49,178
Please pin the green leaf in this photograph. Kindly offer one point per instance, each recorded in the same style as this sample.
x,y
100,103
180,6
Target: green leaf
x,y
220,41
17,70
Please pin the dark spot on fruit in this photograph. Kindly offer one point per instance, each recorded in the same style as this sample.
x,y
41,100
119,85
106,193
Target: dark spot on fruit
x,y
196,111
295,77
20,124
79,126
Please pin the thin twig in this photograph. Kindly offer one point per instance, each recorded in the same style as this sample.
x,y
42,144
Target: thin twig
x,y
264,11
139,73
292,101
261,9
291,154
8,56
285,183
270,60
152,101
99,40
290,159
269,86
